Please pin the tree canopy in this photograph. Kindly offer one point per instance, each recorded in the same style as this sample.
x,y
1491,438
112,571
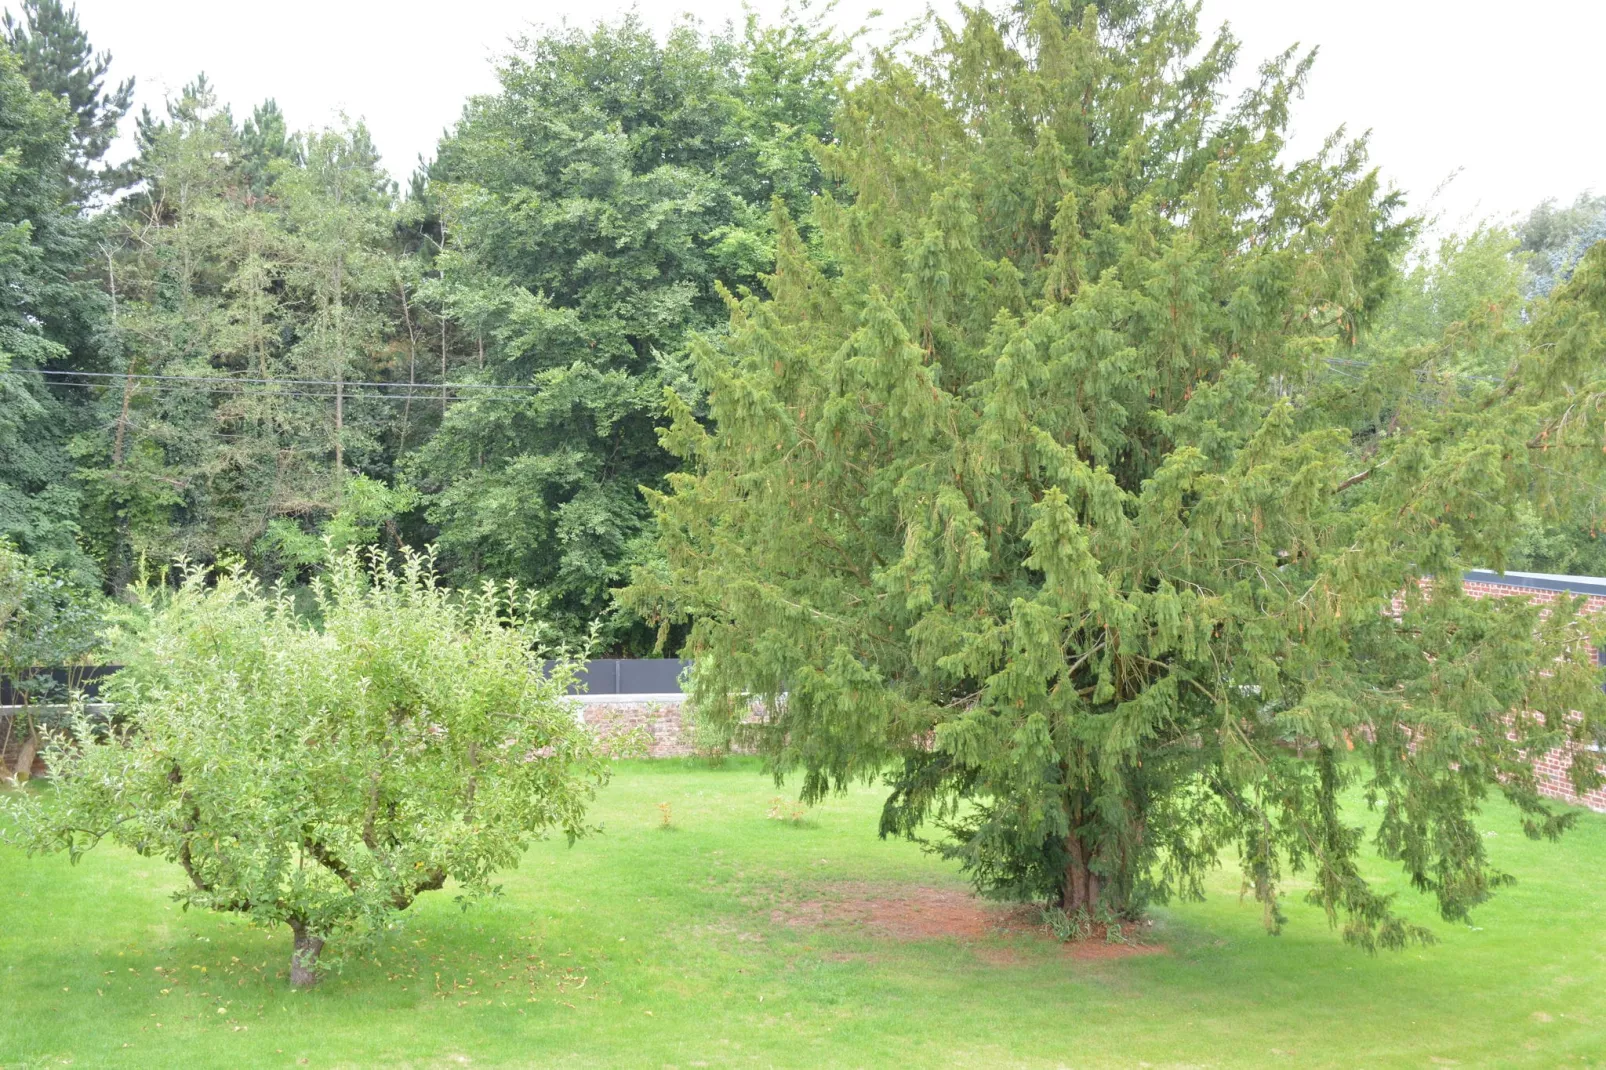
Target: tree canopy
x,y
255,276
324,777
1557,238
50,317
1052,475
58,60
587,211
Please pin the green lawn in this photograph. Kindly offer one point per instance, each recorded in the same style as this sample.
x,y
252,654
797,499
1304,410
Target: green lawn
x,y
737,940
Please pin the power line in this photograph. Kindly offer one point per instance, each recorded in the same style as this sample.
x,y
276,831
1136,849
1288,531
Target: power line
x,y
290,382
1334,361
223,385
197,389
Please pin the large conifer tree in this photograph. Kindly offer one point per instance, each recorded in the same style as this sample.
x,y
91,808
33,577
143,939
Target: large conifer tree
x,y
50,318
58,59
1051,483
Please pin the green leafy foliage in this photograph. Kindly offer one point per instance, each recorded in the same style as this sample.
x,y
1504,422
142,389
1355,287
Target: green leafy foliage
x,y
1557,238
1457,311
587,211
48,319
1460,319
45,619
322,778
56,55
1052,478
256,277
1554,241
367,515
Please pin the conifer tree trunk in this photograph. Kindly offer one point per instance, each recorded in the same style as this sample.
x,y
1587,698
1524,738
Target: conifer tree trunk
x,y
1082,885
340,428
412,366
120,565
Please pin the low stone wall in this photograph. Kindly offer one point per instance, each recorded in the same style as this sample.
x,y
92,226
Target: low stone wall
x,y
672,735
669,729
659,716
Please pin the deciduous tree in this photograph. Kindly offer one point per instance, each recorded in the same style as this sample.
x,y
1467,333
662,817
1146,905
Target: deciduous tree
x,y
323,778
588,210
49,319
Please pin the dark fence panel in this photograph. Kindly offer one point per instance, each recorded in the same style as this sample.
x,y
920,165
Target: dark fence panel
x,y
591,678
629,676
605,676
646,676
53,684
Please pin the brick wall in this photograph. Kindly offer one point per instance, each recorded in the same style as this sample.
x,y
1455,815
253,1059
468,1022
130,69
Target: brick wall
x,y
1550,769
669,734
669,727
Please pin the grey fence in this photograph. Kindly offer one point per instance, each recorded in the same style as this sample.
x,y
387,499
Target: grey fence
x,y
33,686
630,676
606,676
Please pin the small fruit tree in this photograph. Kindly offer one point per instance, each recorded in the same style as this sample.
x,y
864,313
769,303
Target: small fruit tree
x,y
322,777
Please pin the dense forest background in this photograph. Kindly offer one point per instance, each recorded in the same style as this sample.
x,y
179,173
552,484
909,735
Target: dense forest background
x,y
249,340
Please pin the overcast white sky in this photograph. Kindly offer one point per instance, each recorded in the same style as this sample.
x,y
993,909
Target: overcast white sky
x,y
1501,92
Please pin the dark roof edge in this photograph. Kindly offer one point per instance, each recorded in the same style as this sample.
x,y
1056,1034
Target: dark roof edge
x,y
1540,582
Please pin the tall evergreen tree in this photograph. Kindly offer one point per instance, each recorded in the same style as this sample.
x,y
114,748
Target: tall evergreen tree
x,y
255,281
588,211
59,60
1040,484
50,318
337,208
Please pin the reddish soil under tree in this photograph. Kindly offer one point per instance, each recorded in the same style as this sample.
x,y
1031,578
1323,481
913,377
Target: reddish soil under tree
x,y
903,912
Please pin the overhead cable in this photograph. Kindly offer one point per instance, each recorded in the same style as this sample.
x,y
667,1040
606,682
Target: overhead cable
x,y
289,382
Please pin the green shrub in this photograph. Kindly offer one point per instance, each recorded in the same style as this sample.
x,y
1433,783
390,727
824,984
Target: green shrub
x,y
323,777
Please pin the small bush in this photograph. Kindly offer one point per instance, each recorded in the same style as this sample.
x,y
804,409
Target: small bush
x,y
323,778
1080,925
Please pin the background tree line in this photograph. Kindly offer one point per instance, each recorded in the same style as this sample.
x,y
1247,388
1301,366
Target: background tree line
x,y
247,339
232,345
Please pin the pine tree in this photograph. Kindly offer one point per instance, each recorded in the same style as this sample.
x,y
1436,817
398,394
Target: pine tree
x,y
337,207
50,319
1050,482
59,60
255,280
148,466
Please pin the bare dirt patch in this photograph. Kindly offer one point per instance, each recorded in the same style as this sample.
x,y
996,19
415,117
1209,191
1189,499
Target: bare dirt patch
x,y
904,912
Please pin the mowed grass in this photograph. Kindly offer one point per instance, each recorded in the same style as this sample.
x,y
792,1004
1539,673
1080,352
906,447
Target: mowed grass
x,y
696,946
